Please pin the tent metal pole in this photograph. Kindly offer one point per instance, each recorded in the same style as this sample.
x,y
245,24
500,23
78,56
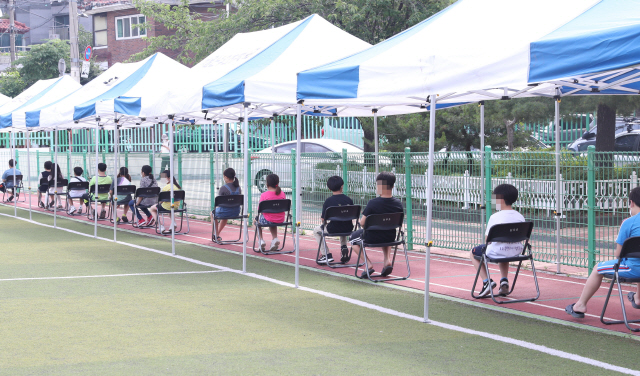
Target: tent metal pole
x,y
15,168
115,180
171,174
29,173
55,177
375,138
482,191
298,191
95,211
432,137
273,144
558,186
247,185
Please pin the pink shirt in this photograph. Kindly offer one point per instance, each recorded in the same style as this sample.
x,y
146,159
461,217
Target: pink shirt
x,y
273,217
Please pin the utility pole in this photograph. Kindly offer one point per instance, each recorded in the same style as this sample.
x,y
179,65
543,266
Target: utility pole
x,y
73,39
12,31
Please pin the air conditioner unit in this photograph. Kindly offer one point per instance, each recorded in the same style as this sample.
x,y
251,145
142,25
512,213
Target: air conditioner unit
x,y
54,36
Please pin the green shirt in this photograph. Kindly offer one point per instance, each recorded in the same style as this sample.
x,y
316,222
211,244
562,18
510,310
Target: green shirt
x,y
101,180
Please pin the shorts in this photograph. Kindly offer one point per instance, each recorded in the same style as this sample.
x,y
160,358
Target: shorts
x,y
624,271
356,237
125,201
479,250
225,213
264,222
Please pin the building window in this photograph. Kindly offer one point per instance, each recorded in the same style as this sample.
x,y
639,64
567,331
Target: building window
x,y
100,30
126,27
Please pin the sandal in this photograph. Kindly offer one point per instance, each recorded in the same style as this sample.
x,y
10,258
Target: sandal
x,y
576,314
631,296
364,273
219,239
386,270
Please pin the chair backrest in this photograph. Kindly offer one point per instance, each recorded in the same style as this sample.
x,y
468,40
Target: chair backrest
x,y
44,182
274,206
342,213
61,183
148,192
510,232
166,196
18,178
229,201
78,186
126,190
382,222
102,189
631,248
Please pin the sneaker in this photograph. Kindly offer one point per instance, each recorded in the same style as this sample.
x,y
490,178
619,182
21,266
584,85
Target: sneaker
x,y
263,245
79,210
344,250
72,210
103,214
161,229
151,221
504,287
125,220
10,198
118,220
323,259
141,222
486,288
275,243
41,204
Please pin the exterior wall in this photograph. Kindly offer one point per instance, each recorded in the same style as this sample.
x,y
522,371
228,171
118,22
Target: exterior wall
x,y
39,17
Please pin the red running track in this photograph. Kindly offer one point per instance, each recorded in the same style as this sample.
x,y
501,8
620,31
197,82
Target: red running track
x,y
450,276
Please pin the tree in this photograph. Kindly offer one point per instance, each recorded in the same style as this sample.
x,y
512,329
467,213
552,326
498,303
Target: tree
x,y
195,38
11,84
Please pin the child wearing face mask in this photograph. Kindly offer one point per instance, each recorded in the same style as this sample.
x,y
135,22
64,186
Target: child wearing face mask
x,y
504,196
166,205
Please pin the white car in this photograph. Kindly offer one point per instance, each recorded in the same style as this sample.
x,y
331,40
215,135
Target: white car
x,y
277,160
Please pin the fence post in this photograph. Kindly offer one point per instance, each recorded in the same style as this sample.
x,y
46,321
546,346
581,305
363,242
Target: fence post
x,y
487,182
104,157
151,159
345,171
38,162
84,164
17,158
408,197
68,163
199,137
180,168
249,201
212,180
293,184
126,159
591,209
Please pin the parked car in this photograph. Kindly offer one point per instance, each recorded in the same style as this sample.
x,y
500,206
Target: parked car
x,y
269,160
623,125
572,127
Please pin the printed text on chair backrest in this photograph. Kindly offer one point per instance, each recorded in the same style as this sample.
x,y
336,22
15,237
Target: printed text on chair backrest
x,y
274,206
78,186
149,192
229,201
166,196
126,190
381,222
342,213
510,232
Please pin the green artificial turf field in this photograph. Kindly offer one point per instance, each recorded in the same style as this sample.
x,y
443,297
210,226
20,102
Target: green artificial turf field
x,y
71,304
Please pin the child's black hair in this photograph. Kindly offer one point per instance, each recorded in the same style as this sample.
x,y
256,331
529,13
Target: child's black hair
x,y
11,163
231,174
47,165
102,167
272,181
78,171
334,183
507,192
387,178
634,195
167,174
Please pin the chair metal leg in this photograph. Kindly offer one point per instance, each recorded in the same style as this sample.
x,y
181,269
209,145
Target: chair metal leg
x,y
625,320
535,278
214,231
334,265
280,251
378,278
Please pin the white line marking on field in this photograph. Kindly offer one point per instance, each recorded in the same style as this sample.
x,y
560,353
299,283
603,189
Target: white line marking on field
x,y
108,275
524,344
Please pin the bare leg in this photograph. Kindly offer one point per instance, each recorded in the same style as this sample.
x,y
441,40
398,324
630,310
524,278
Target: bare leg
x,y
274,232
220,226
385,252
477,264
356,250
593,283
504,269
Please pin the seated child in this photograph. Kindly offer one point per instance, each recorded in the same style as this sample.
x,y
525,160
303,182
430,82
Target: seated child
x,y
385,204
166,176
273,192
54,192
336,185
629,267
147,181
505,195
77,178
89,197
122,200
42,189
231,187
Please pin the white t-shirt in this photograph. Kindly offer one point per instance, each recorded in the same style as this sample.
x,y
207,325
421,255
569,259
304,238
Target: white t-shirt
x,y
77,194
497,249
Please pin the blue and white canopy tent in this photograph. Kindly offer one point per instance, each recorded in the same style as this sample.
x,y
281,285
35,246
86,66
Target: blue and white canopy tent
x,y
506,49
39,94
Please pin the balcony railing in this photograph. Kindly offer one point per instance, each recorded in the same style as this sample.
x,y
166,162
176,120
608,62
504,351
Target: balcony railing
x,y
60,32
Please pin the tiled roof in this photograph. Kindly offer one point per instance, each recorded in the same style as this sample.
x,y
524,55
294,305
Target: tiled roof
x,y
20,27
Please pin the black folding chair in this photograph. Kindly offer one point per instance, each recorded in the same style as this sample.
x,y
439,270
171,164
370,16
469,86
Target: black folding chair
x,y
123,190
519,232
62,183
231,202
43,189
630,249
17,188
162,212
103,189
144,193
384,222
273,207
76,186
347,213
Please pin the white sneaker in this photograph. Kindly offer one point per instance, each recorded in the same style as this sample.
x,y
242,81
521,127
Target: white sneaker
x,y
72,210
275,243
161,228
263,245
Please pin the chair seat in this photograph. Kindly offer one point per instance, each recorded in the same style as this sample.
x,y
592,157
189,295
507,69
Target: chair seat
x,y
509,259
338,234
383,244
163,210
275,224
624,280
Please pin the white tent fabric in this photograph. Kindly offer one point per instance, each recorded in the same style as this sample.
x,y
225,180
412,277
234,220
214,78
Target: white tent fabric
x,y
490,49
130,91
260,68
42,93
4,99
